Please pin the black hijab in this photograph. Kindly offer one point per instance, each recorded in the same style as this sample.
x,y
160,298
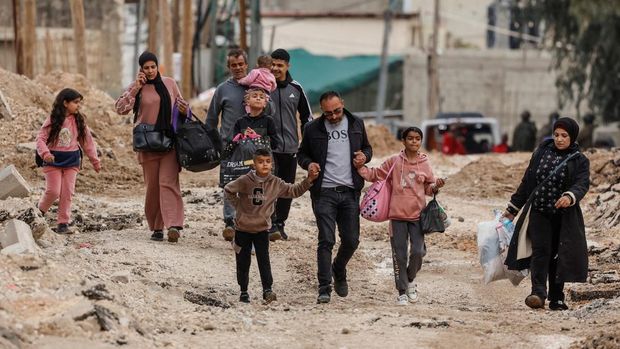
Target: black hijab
x,y
165,103
571,127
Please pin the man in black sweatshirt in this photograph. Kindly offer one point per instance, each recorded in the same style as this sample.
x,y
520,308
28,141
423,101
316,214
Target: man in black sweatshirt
x,y
288,100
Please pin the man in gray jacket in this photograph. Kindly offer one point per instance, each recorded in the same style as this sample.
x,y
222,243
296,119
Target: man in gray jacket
x,y
287,100
228,102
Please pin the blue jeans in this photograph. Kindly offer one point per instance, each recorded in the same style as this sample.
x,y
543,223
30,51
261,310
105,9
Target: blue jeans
x,y
331,208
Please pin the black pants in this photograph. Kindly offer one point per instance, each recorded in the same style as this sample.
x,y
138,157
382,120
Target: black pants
x,y
244,258
544,232
286,167
331,208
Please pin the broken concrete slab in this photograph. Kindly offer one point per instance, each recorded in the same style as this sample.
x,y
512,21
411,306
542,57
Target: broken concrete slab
x,y
12,184
585,293
121,276
17,238
29,147
204,300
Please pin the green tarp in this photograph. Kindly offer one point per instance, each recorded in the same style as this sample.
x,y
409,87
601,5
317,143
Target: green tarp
x,y
320,73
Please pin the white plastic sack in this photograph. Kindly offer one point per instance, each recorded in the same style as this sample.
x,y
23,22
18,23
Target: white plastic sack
x,y
493,240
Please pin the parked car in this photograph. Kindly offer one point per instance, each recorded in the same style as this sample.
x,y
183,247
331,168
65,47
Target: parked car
x,y
477,133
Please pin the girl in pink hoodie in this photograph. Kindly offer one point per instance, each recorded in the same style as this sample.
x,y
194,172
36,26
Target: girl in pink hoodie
x,y
411,179
58,145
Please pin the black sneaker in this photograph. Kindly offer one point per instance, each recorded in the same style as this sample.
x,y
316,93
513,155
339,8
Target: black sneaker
x,y
63,228
244,297
323,298
558,305
280,227
535,301
340,285
269,296
158,235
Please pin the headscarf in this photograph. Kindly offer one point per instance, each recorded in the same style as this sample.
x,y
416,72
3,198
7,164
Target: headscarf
x,y
165,103
570,126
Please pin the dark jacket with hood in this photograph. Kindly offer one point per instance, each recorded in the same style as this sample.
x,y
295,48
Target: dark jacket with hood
x,y
288,99
572,249
314,143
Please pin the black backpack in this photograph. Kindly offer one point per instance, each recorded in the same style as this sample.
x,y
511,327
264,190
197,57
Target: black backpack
x,y
198,147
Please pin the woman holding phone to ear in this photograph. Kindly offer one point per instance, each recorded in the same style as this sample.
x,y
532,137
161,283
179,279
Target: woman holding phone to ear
x,y
152,98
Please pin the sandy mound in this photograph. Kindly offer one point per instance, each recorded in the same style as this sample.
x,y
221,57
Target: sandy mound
x,y
382,141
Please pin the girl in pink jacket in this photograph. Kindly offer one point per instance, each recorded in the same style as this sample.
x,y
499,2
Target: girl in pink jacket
x,y
58,145
411,179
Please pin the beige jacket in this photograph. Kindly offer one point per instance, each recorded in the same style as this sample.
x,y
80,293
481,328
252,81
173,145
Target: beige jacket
x,y
254,199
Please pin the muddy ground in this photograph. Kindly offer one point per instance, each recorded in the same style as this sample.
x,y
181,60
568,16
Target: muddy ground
x,y
109,286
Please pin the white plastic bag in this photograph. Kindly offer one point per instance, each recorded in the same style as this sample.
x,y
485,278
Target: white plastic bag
x,y
493,241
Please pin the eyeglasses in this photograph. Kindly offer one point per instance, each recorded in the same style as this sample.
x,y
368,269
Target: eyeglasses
x,y
336,111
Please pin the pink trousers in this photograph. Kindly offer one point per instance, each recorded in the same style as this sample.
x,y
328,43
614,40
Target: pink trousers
x,y
59,182
163,205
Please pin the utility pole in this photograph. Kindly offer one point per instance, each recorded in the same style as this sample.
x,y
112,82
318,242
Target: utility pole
x,y
383,70
152,14
79,28
29,32
213,45
243,37
166,27
256,46
186,36
17,32
433,72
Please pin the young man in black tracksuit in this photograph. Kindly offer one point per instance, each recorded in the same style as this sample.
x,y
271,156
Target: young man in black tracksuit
x,y
288,99
335,145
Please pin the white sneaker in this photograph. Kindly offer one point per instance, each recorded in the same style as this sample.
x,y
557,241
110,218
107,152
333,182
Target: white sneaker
x,y
412,292
402,300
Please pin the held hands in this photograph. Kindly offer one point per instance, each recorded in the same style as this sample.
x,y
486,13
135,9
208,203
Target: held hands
x,y
563,202
313,171
359,159
248,131
440,182
140,79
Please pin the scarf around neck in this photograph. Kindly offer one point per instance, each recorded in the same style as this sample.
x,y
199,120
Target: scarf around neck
x,y
165,104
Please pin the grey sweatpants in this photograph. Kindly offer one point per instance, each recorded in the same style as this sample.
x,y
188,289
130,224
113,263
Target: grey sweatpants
x,y
408,249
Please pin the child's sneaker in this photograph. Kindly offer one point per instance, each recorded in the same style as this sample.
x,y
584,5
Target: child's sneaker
x,y
63,228
269,296
244,297
402,300
412,292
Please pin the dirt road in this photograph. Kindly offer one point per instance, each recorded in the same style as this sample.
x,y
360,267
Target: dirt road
x,y
161,295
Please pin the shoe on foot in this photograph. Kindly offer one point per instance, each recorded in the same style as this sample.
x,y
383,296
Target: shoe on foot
x,y
173,234
228,233
534,301
280,227
63,228
269,296
412,292
323,298
340,285
275,236
558,305
244,297
158,235
403,299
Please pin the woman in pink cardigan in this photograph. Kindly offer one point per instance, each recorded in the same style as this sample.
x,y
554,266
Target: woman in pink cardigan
x,y
411,179
151,97
58,145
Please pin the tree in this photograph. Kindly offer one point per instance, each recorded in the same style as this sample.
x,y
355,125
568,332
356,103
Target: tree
x,y
583,36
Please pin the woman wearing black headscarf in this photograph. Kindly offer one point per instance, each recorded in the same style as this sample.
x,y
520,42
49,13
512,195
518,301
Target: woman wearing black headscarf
x,y
549,236
152,97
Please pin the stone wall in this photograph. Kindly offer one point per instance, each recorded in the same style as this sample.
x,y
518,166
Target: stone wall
x,y
496,83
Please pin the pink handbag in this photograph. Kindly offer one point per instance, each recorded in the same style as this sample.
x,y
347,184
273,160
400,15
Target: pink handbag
x,y
375,205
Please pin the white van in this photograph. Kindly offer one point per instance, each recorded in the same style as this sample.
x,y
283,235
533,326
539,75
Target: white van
x,y
479,133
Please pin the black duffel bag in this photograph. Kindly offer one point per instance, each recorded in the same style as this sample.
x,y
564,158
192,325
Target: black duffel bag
x,y
147,139
198,147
